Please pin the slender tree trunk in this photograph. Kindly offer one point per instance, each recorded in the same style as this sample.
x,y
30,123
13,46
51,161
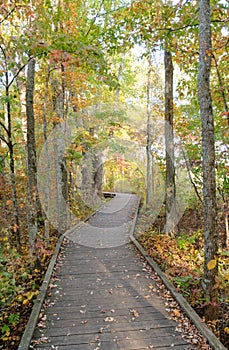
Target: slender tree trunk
x,y
47,151
227,228
98,175
21,86
148,142
169,145
117,92
190,176
31,158
208,156
16,232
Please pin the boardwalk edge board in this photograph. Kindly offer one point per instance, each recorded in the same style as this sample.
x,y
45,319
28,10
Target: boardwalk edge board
x,y
186,307
32,322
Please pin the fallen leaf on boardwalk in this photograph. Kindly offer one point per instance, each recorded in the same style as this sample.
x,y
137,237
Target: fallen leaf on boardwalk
x,y
150,286
84,321
109,319
134,312
42,325
44,318
147,296
51,286
82,311
103,329
176,312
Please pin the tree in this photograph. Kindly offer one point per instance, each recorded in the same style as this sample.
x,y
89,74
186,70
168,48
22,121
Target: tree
x,y
208,162
33,203
8,138
169,144
149,164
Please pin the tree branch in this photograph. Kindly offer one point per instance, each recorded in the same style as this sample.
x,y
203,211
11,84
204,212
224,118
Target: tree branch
x,y
190,177
4,140
170,29
8,14
96,16
4,127
19,70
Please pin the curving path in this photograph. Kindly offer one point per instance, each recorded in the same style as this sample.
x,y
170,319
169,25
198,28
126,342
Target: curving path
x,y
100,296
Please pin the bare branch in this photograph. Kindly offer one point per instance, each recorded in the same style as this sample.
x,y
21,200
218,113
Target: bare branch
x,y
4,140
4,127
19,70
96,16
8,14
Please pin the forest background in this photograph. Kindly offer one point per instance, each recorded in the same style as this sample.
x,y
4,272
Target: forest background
x,y
115,96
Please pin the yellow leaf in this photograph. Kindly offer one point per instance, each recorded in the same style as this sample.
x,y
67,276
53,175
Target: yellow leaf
x,y
211,264
19,297
159,248
8,202
5,338
226,330
226,275
25,302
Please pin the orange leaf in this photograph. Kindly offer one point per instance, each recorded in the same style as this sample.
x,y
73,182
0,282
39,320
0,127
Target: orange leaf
x,y
15,228
176,312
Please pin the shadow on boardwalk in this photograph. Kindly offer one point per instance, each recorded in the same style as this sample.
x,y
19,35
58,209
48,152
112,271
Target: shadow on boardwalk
x,y
100,296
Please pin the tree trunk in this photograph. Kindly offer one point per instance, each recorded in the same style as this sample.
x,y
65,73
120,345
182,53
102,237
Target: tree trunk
x,y
169,145
208,156
31,158
190,176
118,89
92,175
47,151
61,175
16,232
148,142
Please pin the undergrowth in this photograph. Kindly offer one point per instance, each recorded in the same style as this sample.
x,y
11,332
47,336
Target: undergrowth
x,y
22,275
20,281
181,257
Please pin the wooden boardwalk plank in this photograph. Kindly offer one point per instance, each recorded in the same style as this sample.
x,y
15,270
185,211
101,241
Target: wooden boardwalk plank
x,y
103,299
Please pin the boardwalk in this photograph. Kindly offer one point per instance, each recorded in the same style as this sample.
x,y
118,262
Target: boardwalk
x,y
100,296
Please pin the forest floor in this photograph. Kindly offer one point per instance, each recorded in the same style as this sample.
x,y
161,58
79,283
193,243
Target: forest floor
x,y
181,257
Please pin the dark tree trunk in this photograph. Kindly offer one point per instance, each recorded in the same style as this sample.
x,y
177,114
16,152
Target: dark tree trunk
x,y
32,194
169,145
46,146
208,155
16,232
